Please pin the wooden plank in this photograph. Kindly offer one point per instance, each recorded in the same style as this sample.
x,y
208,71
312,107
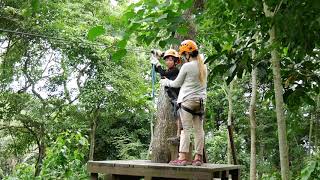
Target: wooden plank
x,y
206,167
168,173
149,170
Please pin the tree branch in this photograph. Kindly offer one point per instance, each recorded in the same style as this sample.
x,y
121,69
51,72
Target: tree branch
x,y
278,7
25,71
81,73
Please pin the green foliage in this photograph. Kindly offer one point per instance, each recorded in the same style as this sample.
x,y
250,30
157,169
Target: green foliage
x,y
22,171
95,31
118,55
99,71
312,168
66,157
217,146
35,5
129,148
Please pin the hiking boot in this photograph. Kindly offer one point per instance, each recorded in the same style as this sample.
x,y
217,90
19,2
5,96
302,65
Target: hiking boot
x,y
197,162
178,162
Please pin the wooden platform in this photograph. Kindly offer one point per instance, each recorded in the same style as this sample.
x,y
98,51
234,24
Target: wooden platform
x,y
145,169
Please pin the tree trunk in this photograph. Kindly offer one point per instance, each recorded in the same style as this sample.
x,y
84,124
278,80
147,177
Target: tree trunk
x,y
278,89
165,127
317,113
310,131
261,157
282,132
253,125
41,155
92,139
230,112
93,133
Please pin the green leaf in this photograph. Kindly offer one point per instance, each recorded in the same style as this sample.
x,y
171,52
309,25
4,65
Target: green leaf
x,y
212,58
148,39
118,55
232,73
35,4
217,46
151,3
134,26
95,32
219,69
162,44
173,41
306,172
182,30
308,100
122,44
128,15
186,4
164,16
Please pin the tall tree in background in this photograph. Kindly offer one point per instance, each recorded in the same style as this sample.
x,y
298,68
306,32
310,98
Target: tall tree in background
x,y
278,89
253,125
111,40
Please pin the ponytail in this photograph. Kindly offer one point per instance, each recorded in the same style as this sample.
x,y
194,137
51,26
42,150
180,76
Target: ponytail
x,y
202,70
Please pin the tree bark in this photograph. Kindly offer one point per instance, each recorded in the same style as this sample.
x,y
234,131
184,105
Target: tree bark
x,y
253,125
198,6
41,155
316,123
165,127
230,112
278,89
283,146
261,157
310,131
93,133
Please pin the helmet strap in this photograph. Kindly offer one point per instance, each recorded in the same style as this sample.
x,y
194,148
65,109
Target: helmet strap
x,y
188,59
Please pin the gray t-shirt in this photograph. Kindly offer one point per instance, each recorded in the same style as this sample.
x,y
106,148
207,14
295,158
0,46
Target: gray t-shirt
x,y
188,80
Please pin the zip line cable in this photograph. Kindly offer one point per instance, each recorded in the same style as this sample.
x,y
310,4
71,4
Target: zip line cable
x,y
66,41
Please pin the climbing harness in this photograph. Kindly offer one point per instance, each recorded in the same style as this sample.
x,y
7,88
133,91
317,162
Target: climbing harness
x,y
195,113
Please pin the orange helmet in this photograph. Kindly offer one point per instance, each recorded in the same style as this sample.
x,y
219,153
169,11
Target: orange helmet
x,y
187,46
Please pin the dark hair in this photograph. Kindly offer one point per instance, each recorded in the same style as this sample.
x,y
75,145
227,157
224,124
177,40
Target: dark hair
x,y
175,59
194,53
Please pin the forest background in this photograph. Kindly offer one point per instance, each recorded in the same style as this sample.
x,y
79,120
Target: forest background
x,y
75,82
